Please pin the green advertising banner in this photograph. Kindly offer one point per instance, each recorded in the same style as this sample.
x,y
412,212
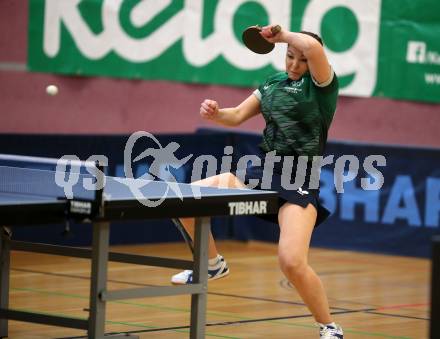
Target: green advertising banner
x,y
377,47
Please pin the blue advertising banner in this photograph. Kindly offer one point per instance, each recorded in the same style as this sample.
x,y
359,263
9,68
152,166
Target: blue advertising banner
x,y
399,218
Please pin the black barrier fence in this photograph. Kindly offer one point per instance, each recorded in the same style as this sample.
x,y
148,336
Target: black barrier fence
x,y
399,218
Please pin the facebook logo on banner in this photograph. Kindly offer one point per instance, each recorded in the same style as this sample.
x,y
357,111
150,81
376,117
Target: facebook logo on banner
x,y
416,52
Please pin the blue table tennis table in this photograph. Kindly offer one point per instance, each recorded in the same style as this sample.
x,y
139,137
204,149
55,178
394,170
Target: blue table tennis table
x,y
30,195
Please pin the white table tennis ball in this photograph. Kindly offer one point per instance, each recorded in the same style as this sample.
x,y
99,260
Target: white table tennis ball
x,y
52,90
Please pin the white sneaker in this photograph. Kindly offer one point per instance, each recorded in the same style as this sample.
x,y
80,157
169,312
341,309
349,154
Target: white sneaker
x,y
220,270
331,331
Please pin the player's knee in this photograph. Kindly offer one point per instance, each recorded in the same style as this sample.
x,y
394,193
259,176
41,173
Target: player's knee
x,y
223,180
230,180
207,182
292,266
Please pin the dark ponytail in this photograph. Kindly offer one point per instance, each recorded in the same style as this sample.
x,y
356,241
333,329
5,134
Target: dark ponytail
x,y
313,35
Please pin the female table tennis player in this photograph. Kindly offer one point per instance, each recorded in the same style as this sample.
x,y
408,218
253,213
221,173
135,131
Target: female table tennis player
x,y
298,107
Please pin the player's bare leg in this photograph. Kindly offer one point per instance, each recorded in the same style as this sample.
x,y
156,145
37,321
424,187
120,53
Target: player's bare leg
x,y
217,266
225,180
296,227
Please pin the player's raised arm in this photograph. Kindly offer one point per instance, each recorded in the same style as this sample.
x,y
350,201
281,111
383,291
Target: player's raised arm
x,y
306,46
232,116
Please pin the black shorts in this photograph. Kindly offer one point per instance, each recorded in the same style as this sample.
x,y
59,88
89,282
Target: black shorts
x,y
302,196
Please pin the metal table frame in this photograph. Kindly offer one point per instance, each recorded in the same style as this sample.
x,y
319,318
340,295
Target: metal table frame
x,y
99,295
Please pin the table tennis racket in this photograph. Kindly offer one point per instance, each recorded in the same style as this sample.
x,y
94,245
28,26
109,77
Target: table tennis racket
x,y
255,42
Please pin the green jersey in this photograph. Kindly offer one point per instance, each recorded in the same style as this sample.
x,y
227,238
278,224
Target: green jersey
x,y
298,114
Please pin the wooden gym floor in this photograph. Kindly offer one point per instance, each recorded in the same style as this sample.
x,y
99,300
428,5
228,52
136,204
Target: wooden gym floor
x,y
371,296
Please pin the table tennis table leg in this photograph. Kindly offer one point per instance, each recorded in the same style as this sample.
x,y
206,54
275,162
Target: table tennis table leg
x,y
5,250
100,249
200,275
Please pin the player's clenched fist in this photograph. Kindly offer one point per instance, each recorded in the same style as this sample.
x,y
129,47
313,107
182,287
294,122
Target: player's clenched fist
x,y
209,109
